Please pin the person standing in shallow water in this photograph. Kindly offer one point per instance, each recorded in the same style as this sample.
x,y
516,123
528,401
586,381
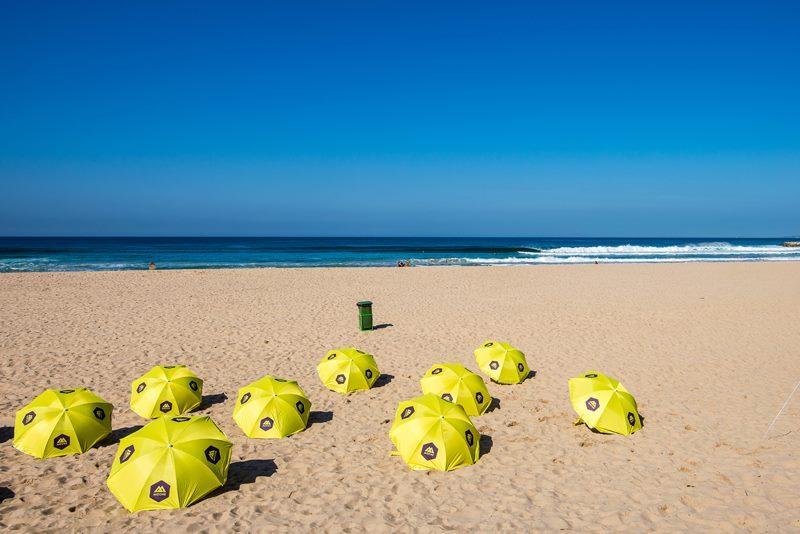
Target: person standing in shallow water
x,y
152,266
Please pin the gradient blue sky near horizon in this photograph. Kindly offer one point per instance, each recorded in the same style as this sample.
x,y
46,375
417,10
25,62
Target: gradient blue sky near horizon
x,y
379,118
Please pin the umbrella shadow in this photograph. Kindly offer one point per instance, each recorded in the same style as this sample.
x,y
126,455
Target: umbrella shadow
x,y
6,433
486,442
246,472
6,493
316,417
382,326
531,374
494,405
382,381
117,435
210,400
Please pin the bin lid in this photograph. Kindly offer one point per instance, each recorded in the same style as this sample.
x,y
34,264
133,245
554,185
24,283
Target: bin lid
x,y
364,303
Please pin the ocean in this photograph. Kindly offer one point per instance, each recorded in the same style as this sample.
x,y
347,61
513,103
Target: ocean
x,y
120,253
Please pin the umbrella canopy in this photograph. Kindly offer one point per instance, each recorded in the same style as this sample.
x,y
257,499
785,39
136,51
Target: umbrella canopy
x,y
502,363
455,383
432,433
170,463
604,404
62,421
271,408
166,390
347,370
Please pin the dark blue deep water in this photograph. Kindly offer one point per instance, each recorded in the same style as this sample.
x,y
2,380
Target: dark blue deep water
x,y
113,253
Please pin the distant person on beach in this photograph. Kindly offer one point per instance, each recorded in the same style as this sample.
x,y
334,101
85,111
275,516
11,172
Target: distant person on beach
x,y
152,266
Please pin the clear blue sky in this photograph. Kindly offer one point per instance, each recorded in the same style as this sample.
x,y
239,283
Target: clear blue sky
x,y
401,118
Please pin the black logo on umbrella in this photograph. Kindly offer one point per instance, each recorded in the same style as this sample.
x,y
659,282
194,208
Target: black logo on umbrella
x,y
340,379
266,423
212,454
28,418
447,397
140,387
280,380
61,442
159,491
520,367
592,404
408,411
479,397
470,437
165,406
300,406
67,391
631,419
193,385
429,451
99,413
181,419
489,344
245,398
169,366
493,365
127,452
368,373
591,375
436,371
332,356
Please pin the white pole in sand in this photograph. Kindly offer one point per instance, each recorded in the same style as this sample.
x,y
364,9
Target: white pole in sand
x,y
781,410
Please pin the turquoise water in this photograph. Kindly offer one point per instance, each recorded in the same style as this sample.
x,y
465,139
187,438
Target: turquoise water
x,y
118,253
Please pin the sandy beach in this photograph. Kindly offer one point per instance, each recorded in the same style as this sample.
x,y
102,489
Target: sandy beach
x,y
711,352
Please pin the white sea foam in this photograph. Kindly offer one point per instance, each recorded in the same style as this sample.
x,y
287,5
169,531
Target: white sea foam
x,y
704,249
593,259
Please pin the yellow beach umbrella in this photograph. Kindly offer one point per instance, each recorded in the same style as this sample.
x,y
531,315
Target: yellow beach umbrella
x,y
166,390
502,363
604,404
62,421
347,370
432,433
455,383
170,463
271,408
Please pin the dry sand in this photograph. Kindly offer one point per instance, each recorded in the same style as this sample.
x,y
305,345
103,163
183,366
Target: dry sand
x,y
710,351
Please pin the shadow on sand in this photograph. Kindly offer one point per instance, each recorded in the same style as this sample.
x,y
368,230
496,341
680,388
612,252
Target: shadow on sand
x,y
382,326
210,400
6,433
246,472
382,381
486,442
117,435
6,493
315,418
494,405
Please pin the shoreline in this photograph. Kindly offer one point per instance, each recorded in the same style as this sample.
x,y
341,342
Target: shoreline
x,y
519,265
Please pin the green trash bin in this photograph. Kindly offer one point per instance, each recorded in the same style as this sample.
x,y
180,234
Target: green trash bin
x,y
364,315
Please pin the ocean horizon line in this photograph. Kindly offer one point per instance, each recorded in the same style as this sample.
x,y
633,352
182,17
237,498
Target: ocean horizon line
x,y
344,236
